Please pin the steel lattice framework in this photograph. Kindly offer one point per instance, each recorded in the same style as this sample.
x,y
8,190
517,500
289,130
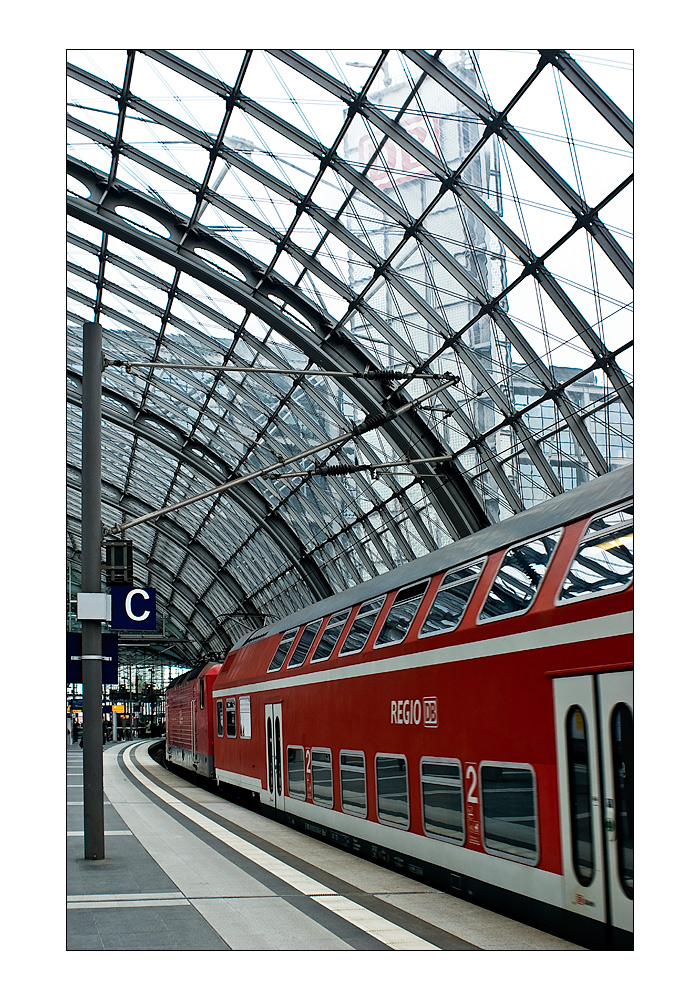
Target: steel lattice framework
x,y
424,253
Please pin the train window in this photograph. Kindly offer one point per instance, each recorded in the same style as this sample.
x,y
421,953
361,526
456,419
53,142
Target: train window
x,y
580,806
509,811
401,614
362,626
353,784
220,718
296,782
282,649
304,644
622,735
230,716
322,778
603,561
441,792
519,578
244,717
330,636
201,693
451,600
392,790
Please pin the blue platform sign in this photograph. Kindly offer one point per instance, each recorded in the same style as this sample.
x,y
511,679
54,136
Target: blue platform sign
x,y
134,608
74,665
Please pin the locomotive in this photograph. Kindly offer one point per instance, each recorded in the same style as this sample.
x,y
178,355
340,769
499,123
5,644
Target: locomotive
x,y
465,719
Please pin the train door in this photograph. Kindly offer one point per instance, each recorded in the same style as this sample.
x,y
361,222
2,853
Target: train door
x,y
596,785
274,795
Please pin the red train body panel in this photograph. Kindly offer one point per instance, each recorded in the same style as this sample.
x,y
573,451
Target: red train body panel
x,y
189,720
487,750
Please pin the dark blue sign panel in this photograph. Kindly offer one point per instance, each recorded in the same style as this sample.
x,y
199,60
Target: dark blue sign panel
x,y
134,608
74,647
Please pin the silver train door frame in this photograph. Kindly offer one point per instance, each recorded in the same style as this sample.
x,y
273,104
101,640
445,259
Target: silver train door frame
x,y
273,795
596,858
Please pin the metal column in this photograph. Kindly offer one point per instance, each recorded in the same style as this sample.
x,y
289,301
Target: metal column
x,y
93,794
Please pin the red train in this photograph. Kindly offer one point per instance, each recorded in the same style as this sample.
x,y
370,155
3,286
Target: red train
x,y
465,719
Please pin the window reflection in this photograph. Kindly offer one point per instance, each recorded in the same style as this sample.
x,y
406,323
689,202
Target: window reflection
x,y
580,795
622,736
519,577
604,560
401,614
451,600
509,811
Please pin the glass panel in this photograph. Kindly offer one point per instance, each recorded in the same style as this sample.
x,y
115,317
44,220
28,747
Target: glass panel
x,y
510,816
441,788
322,778
278,756
230,716
362,626
622,735
270,758
304,644
201,693
580,795
219,718
244,717
401,614
392,790
282,649
451,600
330,636
601,565
519,577
610,520
353,786
295,772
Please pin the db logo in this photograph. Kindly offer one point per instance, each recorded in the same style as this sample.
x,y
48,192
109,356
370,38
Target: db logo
x,y
430,715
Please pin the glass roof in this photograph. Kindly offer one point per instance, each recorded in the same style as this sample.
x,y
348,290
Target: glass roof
x,y
391,290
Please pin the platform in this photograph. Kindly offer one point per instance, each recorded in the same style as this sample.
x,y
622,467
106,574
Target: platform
x,y
186,870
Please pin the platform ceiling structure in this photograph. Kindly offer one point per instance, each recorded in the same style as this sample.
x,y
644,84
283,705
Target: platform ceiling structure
x,y
388,290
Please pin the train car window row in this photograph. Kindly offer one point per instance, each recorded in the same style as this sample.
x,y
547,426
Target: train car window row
x,y
519,577
509,811
451,600
507,792
604,559
603,563
219,718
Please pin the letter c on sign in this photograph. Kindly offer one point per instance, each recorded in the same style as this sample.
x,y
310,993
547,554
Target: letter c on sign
x,y
127,605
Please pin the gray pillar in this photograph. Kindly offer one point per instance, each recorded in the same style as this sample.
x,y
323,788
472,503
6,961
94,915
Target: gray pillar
x,y
93,794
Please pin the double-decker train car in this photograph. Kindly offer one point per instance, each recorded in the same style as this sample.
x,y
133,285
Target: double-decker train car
x,y
189,720
465,719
